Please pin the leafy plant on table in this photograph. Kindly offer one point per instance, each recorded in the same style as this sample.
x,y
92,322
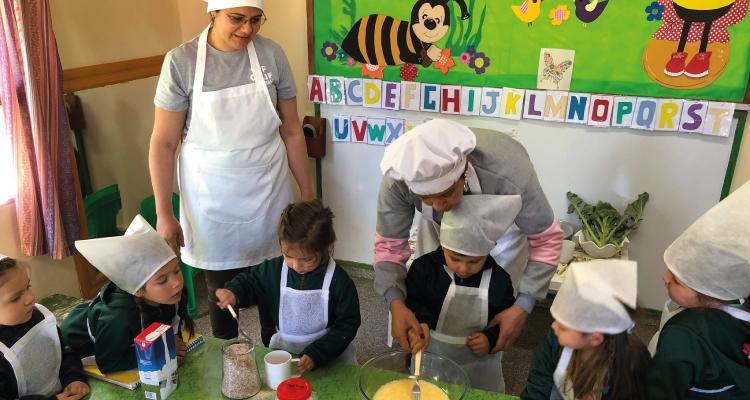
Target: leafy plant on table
x,y
602,223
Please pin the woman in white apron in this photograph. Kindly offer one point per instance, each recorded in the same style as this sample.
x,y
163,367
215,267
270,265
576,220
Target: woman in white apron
x,y
313,301
433,168
591,354
702,349
238,111
458,314
32,362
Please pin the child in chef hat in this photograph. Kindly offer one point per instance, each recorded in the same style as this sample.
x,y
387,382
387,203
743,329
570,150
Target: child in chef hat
x,y
590,352
146,287
34,362
703,346
457,289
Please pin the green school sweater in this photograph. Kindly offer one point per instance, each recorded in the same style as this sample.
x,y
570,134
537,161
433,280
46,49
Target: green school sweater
x,y
115,321
260,285
699,356
540,384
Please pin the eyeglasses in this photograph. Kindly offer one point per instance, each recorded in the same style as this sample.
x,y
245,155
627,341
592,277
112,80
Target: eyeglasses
x,y
240,20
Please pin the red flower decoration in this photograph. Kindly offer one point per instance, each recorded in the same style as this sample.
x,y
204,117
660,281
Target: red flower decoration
x,y
445,62
373,71
409,72
746,349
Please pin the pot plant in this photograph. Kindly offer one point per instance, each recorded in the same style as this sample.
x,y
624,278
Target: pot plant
x,y
605,231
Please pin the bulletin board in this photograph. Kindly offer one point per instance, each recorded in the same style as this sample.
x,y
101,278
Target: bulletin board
x,y
598,163
621,47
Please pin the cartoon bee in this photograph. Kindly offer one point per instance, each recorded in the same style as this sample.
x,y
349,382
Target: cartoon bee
x,y
382,40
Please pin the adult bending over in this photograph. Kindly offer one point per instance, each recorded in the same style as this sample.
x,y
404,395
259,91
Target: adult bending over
x,y
430,169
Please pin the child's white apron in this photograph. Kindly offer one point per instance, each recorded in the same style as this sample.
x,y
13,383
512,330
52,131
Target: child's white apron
x,y
303,316
36,358
559,376
465,311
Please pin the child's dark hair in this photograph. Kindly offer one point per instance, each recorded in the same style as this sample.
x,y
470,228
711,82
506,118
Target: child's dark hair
x,y
308,224
615,369
6,264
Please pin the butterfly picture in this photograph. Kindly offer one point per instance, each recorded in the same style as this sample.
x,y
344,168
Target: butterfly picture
x,y
553,74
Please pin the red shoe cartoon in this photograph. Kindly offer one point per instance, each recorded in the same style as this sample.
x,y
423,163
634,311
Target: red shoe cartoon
x,y
698,66
676,64
691,48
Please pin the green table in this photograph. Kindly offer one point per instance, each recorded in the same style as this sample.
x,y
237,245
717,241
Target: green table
x,y
200,378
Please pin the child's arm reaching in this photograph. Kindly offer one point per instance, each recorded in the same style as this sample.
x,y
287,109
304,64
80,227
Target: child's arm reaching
x,y
419,291
225,298
478,343
71,378
491,334
114,349
246,288
422,300
74,391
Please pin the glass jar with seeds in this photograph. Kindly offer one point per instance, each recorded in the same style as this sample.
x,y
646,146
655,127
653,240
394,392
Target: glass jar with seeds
x,y
240,377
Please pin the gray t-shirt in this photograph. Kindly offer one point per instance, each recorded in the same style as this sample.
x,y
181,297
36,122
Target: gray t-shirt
x,y
223,70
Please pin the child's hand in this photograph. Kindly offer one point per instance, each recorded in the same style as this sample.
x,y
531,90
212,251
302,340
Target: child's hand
x,y
478,344
74,391
419,340
305,364
225,298
180,349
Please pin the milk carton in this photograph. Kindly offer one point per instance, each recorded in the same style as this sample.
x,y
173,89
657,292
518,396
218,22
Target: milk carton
x,y
157,361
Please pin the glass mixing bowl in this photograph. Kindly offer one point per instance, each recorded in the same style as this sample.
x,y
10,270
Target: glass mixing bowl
x,y
438,370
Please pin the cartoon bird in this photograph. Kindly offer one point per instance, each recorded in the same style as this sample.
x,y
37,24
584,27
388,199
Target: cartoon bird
x,y
528,11
383,40
589,10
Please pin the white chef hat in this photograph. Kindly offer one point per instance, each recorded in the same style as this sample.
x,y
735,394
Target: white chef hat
x,y
594,295
473,226
130,260
713,255
431,157
214,5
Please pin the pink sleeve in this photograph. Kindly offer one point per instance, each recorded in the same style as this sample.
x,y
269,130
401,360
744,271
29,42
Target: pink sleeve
x,y
545,246
395,250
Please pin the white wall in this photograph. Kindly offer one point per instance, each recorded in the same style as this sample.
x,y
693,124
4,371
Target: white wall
x,y
683,175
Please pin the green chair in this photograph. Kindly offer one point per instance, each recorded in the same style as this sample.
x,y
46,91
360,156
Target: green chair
x,y
148,211
101,209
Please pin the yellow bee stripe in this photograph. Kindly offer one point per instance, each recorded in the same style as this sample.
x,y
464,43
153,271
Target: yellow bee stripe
x,y
395,52
703,4
378,45
409,44
361,38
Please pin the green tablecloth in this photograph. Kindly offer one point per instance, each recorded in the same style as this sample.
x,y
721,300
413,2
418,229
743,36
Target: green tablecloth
x,y
200,378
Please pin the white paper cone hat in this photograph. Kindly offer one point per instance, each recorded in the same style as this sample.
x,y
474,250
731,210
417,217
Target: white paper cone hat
x,y
130,260
594,295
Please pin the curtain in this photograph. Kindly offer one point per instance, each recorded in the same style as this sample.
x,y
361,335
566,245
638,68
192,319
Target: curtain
x,y
33,108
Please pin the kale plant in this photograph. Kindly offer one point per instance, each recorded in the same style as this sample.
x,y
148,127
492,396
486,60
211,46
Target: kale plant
x,y
602,223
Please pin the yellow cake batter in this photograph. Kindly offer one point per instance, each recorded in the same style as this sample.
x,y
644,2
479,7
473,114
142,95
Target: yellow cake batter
x,y
401,390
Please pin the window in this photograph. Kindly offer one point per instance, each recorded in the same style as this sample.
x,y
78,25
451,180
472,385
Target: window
x,y
7,165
